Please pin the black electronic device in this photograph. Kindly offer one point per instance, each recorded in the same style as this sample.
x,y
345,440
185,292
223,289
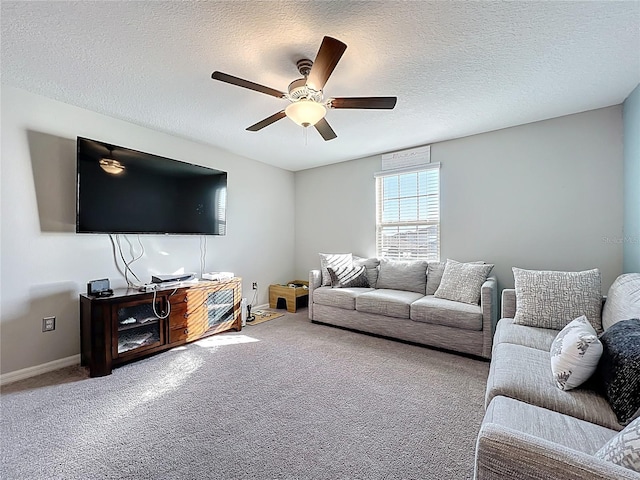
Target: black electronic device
x,y
99,288
120,190
172,278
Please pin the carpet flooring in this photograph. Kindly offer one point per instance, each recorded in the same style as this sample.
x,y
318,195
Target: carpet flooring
x,y
286,399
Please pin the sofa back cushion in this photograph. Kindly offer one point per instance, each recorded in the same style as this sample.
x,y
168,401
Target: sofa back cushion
x,y
372,265
623,300
549,299
410,276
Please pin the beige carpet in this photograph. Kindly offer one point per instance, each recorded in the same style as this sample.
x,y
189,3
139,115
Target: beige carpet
x,y
290,400
264,316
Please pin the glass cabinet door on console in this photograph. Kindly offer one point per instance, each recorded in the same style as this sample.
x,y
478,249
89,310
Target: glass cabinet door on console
x,y
138,326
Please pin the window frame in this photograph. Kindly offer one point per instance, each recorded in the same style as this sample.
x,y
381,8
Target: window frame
x,y
433,213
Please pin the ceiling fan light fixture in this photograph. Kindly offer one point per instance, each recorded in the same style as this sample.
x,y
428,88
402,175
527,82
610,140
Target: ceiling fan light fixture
x,y
305,112
109,165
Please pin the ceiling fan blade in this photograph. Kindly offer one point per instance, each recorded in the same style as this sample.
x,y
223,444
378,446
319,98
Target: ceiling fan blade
x,y
328,56
385,103
223,77
325,129
267,121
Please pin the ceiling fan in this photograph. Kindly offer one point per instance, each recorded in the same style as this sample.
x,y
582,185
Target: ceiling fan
x,y
308,106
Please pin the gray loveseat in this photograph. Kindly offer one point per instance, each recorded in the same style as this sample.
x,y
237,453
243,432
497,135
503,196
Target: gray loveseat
x,y
409,311
534,430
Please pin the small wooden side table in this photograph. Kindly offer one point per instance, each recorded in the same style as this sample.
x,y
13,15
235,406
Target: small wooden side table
x,y
289,294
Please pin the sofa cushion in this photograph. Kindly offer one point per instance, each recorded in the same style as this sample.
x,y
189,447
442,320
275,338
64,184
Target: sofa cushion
x,y
552,426
549,299
338,297
410,276
335,260
434,276
372,265
623,300
619,368
523,373
439,311
391,303
533,337
462,282
348,277
575,353
624,448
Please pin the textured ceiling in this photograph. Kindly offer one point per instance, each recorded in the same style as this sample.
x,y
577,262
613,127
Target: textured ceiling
x,y
457,68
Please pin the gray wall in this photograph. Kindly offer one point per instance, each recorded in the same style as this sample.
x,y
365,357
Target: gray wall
x,y
44,264
631,238
546,195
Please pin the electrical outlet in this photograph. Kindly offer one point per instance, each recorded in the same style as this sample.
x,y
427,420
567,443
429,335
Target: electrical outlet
x,y
254,285
48,324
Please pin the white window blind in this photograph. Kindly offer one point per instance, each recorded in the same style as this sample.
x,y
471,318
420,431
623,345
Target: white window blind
x,y
408,213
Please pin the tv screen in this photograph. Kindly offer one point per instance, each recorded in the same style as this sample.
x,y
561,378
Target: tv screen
x,y
120,190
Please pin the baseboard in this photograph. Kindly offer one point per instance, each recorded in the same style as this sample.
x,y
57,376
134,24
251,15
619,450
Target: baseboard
x,y
39,369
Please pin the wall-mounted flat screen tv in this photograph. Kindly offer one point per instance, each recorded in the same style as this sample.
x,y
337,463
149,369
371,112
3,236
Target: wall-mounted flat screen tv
x,y
120,190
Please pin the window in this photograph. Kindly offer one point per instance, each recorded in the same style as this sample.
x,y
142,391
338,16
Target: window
x,y
408,213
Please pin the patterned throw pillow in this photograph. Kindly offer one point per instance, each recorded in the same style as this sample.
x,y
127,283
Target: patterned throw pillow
x,y
348,277
619,369
548,299
462,282
575,354
335,260
407,275
624,448
434,275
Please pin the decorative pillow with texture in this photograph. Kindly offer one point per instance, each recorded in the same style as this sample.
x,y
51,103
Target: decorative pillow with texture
x,y
348,277
410,276
334,260
575,353
623,300
624,448
462,282
619,369
434,275
371,264
548,299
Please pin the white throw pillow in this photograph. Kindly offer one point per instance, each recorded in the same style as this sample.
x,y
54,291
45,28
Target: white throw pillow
x,y
334,260
575,353
624,448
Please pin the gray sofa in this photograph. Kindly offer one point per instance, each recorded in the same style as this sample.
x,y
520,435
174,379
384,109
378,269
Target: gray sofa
x,y
414,316
531,428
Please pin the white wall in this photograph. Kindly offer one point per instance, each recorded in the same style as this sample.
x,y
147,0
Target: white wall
x,y
44,264
546,195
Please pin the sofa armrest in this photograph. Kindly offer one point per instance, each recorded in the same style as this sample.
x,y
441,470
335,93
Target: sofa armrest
x,y
502,453
315,280
508,303
489,305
